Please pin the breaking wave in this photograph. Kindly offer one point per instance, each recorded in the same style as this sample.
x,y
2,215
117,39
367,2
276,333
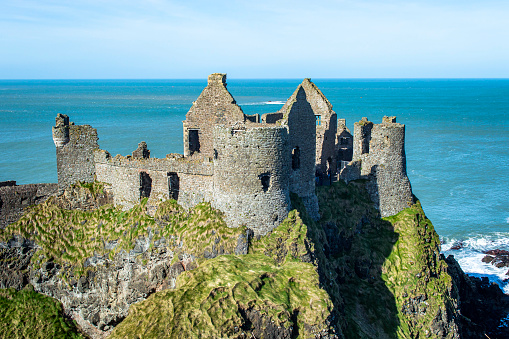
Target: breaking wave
x,y
470,251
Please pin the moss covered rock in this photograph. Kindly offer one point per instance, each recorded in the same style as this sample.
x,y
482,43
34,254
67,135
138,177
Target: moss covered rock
x,y
28,314
234,296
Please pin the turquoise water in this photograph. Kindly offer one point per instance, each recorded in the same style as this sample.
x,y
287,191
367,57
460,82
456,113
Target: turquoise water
x,y
457,135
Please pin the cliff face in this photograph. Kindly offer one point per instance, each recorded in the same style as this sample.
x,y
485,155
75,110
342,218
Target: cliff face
x,y
184,273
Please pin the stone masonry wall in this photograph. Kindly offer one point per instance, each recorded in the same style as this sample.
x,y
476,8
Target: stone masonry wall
x,y
251,176
75,146
300,119
215,105
384,165
326,128
123,174
15,199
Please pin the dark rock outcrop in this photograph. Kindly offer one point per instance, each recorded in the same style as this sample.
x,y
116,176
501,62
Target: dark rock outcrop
x,y
482,304
14,199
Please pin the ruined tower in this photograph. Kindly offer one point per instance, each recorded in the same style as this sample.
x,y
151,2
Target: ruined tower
x,y
379,156
75,146
298,116
251,175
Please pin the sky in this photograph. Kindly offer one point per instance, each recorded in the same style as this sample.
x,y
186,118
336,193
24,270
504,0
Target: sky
x,y
179,39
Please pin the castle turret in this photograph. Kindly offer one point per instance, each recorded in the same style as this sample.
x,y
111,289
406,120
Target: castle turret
x,y
379,156
251,175
74,147
61,130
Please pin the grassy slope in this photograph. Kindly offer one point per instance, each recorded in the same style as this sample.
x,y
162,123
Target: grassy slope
x,y
382,266
371,268
208,300
68,237
414,271
28,314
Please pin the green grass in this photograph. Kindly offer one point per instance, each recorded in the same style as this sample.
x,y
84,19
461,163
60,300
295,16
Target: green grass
x,y
207,301
28,314
414,270
352,262
69,237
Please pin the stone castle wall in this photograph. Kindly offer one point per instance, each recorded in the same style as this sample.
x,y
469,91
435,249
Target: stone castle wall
x,y
215,105
300,119
251,176
379,156
326,128
75,146
124,174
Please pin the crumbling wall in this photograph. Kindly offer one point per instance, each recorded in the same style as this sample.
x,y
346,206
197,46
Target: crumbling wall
x,y
251,176
344,145
124,174
271,118
326,128
299,117
379,156
75,145
215,105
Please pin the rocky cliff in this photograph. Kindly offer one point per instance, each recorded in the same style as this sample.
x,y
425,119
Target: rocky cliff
x,y
185,274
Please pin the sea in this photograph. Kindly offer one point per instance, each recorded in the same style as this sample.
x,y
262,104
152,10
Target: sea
x,y
457,138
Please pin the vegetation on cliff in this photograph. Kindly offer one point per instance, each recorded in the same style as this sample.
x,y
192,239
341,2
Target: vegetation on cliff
x,y
351,274
385,276
28,314
69,237
234,296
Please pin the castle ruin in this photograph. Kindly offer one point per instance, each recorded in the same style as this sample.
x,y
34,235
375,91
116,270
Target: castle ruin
x,y
246,165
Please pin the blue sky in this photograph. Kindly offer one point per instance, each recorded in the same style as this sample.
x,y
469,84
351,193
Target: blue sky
x,y
43,39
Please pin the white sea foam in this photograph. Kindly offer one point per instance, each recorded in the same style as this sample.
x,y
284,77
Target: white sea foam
x,y
507,220
471,253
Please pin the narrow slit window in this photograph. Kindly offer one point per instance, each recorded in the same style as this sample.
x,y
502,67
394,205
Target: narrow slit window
x,y
173,185
296,158
318,120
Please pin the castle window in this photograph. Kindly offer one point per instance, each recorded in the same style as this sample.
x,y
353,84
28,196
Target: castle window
x,y
318,120
265,180
296,158
194,141
145,185
173,185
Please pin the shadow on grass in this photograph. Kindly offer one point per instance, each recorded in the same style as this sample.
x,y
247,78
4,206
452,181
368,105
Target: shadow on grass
x,y
351,245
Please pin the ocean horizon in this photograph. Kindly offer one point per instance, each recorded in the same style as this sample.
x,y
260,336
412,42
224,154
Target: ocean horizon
x,y
457,137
